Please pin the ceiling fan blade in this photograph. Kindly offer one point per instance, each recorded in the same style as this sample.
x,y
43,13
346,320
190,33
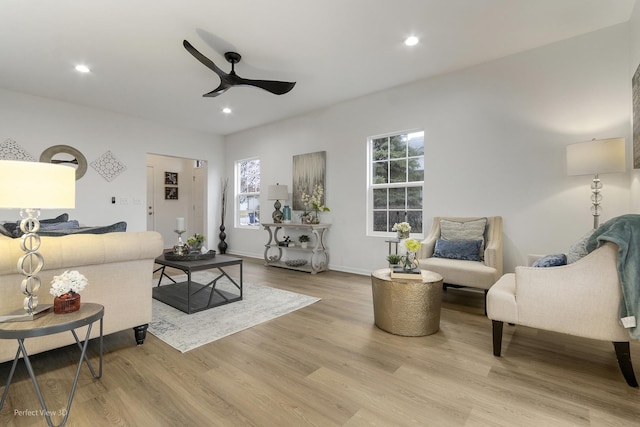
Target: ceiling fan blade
x,y
205,61
273,86
217,91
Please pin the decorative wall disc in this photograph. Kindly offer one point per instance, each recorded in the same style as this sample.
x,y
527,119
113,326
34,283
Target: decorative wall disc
x,y
11,150
108,166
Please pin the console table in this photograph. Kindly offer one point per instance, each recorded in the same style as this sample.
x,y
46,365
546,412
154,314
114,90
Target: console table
x,y
316,254
49,324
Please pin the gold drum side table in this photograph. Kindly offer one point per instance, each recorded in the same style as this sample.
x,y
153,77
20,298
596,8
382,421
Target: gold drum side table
x,y
408,307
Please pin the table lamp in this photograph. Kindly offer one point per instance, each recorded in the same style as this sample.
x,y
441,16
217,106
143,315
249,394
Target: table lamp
x,y
277,192
593,158
31,186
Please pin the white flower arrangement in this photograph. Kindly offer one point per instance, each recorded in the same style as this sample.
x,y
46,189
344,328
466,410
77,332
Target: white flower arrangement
x,y
401,226
69,281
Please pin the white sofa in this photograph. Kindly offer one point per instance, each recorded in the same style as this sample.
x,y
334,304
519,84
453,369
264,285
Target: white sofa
x,y
118,266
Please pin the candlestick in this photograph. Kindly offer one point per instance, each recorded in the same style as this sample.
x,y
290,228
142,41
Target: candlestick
x,y
180,248
180,224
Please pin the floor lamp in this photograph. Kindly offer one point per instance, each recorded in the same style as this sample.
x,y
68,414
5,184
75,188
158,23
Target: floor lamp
x,y
31,186
593,158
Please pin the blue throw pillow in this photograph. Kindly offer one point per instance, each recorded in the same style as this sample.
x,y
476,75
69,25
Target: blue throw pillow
x,y
467,250
50,226
60,218
113,228
4,231
554,260
118,227
16,231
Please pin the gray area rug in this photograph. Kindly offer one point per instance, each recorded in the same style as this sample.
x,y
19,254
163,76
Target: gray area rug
x,y
259,304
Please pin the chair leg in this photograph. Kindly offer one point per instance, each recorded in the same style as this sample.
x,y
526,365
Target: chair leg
x,y
623,353
497,337
486,291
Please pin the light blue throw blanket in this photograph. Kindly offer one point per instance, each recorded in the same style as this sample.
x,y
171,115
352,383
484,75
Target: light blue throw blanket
x,y
624,231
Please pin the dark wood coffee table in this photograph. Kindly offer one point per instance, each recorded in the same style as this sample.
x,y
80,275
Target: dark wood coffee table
x,y
191,296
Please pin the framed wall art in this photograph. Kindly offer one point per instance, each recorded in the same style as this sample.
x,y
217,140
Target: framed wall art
x,y
635,84
171,178
308,171
171,193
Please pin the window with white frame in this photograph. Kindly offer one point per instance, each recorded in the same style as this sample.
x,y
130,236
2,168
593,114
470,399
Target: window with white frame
x,y
395,181
248,193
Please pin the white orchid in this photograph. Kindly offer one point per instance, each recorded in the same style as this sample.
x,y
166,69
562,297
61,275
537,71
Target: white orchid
x,y
314,202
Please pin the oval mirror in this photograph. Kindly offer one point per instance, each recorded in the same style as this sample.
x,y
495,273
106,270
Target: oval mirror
x,y
66,155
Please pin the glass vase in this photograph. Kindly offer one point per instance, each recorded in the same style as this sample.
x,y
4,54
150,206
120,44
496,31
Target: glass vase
x,y
403,234
409,261
314,218
286,213
195,248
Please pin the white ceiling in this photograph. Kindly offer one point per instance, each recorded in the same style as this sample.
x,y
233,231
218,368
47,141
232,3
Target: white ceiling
x,y
334,49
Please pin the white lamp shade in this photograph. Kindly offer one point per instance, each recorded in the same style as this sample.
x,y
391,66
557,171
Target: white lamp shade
x,y
36,185
595,157
278,192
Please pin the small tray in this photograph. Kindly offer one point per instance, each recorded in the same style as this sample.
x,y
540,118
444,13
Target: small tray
x,y
296,262
189,257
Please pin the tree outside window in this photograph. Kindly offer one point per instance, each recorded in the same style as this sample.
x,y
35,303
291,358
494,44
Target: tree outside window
x,y
396,181
248,191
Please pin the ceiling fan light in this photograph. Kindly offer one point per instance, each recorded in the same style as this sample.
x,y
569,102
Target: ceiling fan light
x,y
82,68
411,41
226,110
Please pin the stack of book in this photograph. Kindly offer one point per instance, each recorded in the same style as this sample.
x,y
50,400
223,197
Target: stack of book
x,y
401,273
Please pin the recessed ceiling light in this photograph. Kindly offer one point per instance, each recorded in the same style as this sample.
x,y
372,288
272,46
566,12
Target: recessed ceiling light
x,y
226,110
411,41
82,68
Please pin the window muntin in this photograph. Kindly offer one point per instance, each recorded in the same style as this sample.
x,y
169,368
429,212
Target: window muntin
x,y
248,193
396,181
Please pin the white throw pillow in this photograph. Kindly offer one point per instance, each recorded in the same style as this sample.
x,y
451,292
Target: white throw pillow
x,y
579,248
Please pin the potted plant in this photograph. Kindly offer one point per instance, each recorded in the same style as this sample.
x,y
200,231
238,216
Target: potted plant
x,y
195,242
393,260
304,240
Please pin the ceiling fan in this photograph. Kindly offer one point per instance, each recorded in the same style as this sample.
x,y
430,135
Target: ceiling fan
x,y
231,79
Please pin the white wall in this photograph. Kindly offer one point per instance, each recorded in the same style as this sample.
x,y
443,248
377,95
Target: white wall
x,y
495,138
38,123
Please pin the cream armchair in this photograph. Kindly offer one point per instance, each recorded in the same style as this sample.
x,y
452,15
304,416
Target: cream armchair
x,y
476,274
580,299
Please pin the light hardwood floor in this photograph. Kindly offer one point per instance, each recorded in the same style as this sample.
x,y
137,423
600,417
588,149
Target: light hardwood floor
x,y
328,365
